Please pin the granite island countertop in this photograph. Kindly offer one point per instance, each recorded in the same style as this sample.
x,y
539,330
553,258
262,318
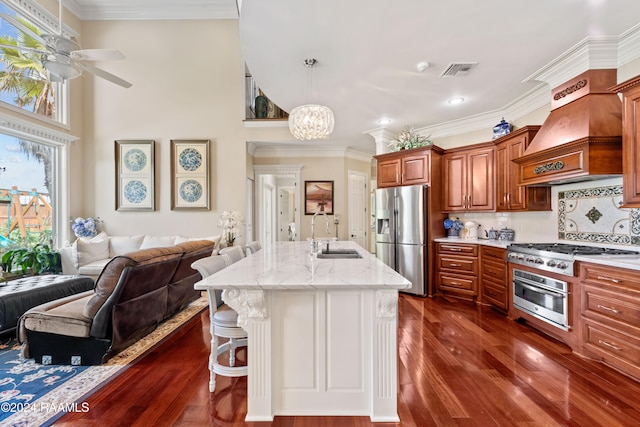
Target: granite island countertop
x,y
291,265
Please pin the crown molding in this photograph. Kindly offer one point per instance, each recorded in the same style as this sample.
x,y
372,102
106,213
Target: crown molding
x,y
266,150
629,46
159,10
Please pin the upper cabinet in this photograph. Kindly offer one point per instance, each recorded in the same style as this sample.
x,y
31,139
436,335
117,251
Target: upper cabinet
x,y
406,167
469,178
630,141
509,195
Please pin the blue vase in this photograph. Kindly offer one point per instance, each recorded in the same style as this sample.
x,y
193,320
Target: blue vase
x,y
262,106
501,129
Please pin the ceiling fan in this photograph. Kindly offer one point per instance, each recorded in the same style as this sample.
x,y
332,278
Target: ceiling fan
x,y
63,57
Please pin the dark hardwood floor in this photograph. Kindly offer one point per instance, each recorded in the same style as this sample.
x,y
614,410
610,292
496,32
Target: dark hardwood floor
x,y
460,365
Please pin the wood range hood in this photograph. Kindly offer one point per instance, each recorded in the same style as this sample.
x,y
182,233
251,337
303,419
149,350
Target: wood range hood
x,y
581,139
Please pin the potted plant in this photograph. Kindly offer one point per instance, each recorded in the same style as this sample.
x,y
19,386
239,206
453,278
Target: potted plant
x,y
408,139
39,259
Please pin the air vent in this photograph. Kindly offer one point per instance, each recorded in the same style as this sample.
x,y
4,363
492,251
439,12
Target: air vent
x,y
458,69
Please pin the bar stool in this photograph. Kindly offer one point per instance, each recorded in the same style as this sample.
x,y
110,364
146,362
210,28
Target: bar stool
x,y
224,323
253,247
235,253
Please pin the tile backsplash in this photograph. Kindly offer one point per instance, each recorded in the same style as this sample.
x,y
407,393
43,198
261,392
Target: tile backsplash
x,y
594,215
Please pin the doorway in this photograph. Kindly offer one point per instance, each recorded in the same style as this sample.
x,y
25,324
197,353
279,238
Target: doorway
x,y
277,202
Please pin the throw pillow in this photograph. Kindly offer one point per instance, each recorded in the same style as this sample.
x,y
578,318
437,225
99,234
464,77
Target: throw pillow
x,y
120,245
157,242
87,250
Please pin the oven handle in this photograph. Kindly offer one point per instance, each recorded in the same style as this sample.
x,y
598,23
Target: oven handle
x,y
541,290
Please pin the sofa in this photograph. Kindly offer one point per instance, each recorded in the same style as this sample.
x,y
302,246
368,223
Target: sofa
x,y
132,295
88,255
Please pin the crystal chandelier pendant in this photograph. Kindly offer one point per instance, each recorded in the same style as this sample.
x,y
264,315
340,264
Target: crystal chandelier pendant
x,y
311,121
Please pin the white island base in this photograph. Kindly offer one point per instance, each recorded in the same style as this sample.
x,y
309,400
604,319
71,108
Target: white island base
x,y
320,352
322,333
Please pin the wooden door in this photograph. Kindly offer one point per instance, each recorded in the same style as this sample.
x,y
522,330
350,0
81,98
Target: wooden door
x,y
481,180
455,179
389,172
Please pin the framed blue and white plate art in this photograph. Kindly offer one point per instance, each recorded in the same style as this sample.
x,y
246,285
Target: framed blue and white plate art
x,y
190,174
135,175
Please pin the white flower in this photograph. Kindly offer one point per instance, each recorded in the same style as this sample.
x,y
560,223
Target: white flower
x,y
230,222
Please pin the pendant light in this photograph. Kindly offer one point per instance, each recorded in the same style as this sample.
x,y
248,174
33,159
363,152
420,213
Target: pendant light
x,y
311,121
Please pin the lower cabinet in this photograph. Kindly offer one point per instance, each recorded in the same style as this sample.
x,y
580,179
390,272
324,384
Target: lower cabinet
x,y
457,269
610,316
495,289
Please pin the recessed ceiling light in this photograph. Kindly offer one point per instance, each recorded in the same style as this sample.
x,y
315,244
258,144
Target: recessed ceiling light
x,y
384,121
456,101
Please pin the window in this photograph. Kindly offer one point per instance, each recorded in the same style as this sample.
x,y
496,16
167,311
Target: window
x,y
24,83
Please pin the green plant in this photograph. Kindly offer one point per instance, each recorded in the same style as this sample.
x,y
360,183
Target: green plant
x,y
36,260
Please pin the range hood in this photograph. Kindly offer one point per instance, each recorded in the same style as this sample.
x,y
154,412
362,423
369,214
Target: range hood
x,y
581,139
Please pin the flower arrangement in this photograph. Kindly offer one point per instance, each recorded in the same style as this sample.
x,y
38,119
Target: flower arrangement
x,y
453,223
85,227
230,222
409,139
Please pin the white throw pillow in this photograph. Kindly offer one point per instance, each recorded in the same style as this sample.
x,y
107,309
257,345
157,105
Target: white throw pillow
x,y
214,239
87,250
157,242
120,245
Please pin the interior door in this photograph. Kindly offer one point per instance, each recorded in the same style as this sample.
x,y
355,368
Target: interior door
x,y
358,211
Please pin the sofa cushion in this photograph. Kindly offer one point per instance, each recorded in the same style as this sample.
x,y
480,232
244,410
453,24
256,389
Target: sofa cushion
x,y
93,269
87,250
110,275
61,319
157,242
120,245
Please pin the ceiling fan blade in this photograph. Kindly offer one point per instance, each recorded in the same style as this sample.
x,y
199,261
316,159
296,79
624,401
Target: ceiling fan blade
x,y
97,55
24,49
104,74
20,26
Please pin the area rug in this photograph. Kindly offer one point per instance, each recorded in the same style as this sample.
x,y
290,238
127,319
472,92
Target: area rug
x,y
32,394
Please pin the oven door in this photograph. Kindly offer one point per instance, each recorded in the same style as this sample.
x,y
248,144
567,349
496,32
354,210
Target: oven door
x,y
542,297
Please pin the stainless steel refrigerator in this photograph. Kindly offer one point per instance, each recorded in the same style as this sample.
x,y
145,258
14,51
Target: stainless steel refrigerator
x,y
401,233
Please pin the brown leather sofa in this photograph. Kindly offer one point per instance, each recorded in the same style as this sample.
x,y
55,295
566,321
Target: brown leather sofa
x,y
132,295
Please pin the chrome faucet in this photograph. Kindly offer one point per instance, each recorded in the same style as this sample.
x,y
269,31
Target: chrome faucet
x,y
314,242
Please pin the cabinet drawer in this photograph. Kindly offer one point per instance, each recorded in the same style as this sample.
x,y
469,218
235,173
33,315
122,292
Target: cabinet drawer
x,y
610,344
493,271
494,254
459,265
459,284
609,276
612,305
495,294
458,248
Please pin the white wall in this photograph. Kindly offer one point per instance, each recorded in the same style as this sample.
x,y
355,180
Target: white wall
x,y
188,83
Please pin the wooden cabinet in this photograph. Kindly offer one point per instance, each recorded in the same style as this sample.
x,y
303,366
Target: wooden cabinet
x,y
469,179
493,271
406,167
457,269
610,316
509,195
630,141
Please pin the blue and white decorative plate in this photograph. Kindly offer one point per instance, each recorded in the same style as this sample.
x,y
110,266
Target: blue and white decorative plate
x,y
190,159
190,191
135,191
135,160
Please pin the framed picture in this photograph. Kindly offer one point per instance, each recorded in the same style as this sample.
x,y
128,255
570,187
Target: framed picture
x,y
318,197
135,175
190,174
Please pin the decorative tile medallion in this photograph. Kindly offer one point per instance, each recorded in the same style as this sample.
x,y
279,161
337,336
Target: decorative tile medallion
x,y
594,215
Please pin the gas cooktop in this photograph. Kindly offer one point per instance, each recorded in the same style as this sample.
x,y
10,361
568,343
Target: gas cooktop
x,y
566,248
556,257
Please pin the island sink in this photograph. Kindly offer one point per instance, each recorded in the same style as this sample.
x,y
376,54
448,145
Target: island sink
x,y
339,253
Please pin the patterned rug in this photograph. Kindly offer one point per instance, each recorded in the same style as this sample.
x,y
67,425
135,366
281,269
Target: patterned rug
x,y
36,395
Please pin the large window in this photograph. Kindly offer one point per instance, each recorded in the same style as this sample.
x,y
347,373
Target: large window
x,y
24,83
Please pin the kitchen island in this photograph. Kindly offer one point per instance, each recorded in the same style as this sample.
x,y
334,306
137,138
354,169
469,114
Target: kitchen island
x,y
321,332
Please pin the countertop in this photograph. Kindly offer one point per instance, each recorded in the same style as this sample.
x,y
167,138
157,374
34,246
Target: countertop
x,y
632,262
291,265
495,243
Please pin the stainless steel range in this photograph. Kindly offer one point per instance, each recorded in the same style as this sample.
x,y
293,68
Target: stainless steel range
x,y
544,291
